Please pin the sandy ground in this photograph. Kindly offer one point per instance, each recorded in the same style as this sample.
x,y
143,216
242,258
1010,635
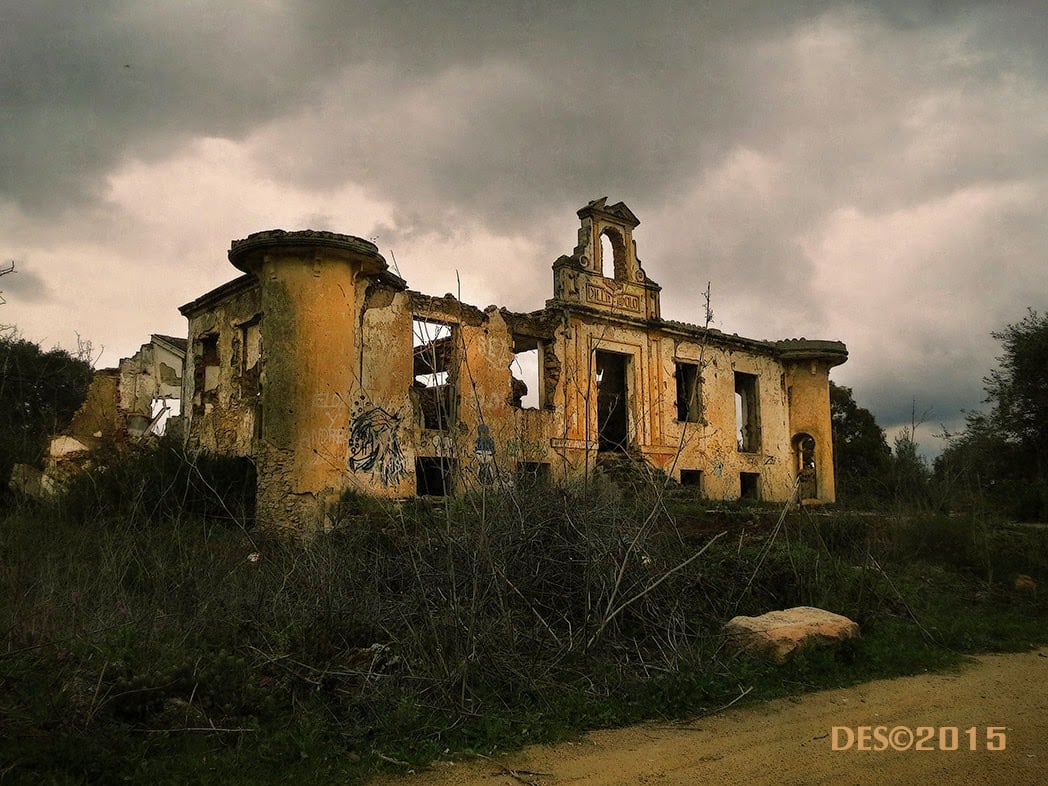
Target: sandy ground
x,y
790,741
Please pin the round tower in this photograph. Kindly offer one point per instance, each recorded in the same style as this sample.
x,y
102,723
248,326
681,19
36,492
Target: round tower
x,y
313,286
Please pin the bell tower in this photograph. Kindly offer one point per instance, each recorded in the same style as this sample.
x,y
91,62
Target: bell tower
x,y
590,278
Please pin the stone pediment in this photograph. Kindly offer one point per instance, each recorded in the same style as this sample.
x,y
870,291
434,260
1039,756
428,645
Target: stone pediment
x,y
618,212
613,281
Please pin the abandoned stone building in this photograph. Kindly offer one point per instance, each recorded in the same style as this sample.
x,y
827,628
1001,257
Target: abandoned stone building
x,y
124,405
326,368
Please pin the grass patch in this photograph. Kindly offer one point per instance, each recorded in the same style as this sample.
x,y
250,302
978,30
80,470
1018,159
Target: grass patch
x,y
146,644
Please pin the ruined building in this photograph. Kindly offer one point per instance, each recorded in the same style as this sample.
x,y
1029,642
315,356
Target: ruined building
x,y
321,364
124,405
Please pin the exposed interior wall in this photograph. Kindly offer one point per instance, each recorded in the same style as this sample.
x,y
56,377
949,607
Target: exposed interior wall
x,y
99,419
221,383
123,405
441,399
152,376
120,402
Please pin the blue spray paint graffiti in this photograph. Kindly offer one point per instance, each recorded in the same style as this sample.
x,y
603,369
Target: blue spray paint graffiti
x,y
485,451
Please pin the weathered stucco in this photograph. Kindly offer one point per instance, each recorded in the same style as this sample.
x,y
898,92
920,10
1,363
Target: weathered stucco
x,y
364,384
98,420
220,386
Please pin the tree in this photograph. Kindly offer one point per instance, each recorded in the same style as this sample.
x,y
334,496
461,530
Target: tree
x,y
1002,455
7,267
909,474
39,392
860,449
1018,389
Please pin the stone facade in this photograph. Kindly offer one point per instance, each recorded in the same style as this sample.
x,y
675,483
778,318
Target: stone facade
x,y
325,367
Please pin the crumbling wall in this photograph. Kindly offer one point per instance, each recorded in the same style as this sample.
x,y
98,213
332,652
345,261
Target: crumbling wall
x,y
117,410
151,379
478,437
99,418
221,383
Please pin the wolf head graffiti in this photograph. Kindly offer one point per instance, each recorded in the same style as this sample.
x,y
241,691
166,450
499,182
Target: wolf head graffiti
x,y
374,445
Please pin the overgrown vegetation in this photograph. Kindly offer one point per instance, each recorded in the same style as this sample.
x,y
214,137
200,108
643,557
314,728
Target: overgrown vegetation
x,y
998,463
151,634
39,392
148,644
1001,458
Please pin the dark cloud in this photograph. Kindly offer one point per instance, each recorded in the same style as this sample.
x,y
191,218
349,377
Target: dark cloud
x,y
83,85
873,172
22,285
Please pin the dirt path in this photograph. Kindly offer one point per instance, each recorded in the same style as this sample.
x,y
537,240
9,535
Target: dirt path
x,y
789,741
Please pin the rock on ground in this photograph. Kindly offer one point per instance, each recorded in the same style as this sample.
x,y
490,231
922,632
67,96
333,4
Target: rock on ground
x,y
778,634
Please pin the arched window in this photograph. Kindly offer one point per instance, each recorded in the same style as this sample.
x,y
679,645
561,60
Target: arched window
x,y
804,465
611,238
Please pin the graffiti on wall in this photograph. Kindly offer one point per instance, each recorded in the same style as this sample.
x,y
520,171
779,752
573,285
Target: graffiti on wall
x,y
374,443
516,448
485,452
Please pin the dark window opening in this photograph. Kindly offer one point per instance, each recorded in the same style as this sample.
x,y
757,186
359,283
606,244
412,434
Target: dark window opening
x,y
205,372
251,345
532,473
691,478
689,395
434,476
750,485
250,368
209,362
436,406
612,418
747,414
433,359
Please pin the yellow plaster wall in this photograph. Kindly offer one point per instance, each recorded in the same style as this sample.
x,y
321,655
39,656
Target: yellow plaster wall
x,y
309,337
223,421
810,414
340,410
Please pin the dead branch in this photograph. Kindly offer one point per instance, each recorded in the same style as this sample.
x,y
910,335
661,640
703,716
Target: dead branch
x,y
515,774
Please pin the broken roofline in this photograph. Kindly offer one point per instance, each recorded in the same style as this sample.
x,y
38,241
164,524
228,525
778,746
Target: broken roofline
x,y
529,322
206,301
173,343
245,255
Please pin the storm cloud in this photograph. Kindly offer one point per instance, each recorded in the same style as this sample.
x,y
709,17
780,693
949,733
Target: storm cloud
x,y
871,172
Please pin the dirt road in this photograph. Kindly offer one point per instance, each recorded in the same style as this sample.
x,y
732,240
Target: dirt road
x,y
791,741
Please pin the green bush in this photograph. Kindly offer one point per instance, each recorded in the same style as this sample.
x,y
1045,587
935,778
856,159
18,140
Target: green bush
x,y
160,482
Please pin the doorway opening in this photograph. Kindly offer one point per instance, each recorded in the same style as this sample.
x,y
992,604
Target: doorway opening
x,y
612,417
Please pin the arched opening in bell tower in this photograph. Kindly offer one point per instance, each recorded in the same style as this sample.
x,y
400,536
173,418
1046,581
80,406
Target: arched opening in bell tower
x,y
613,246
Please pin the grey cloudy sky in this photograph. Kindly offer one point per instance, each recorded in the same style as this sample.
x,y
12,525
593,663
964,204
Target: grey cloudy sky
x,y
872,172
